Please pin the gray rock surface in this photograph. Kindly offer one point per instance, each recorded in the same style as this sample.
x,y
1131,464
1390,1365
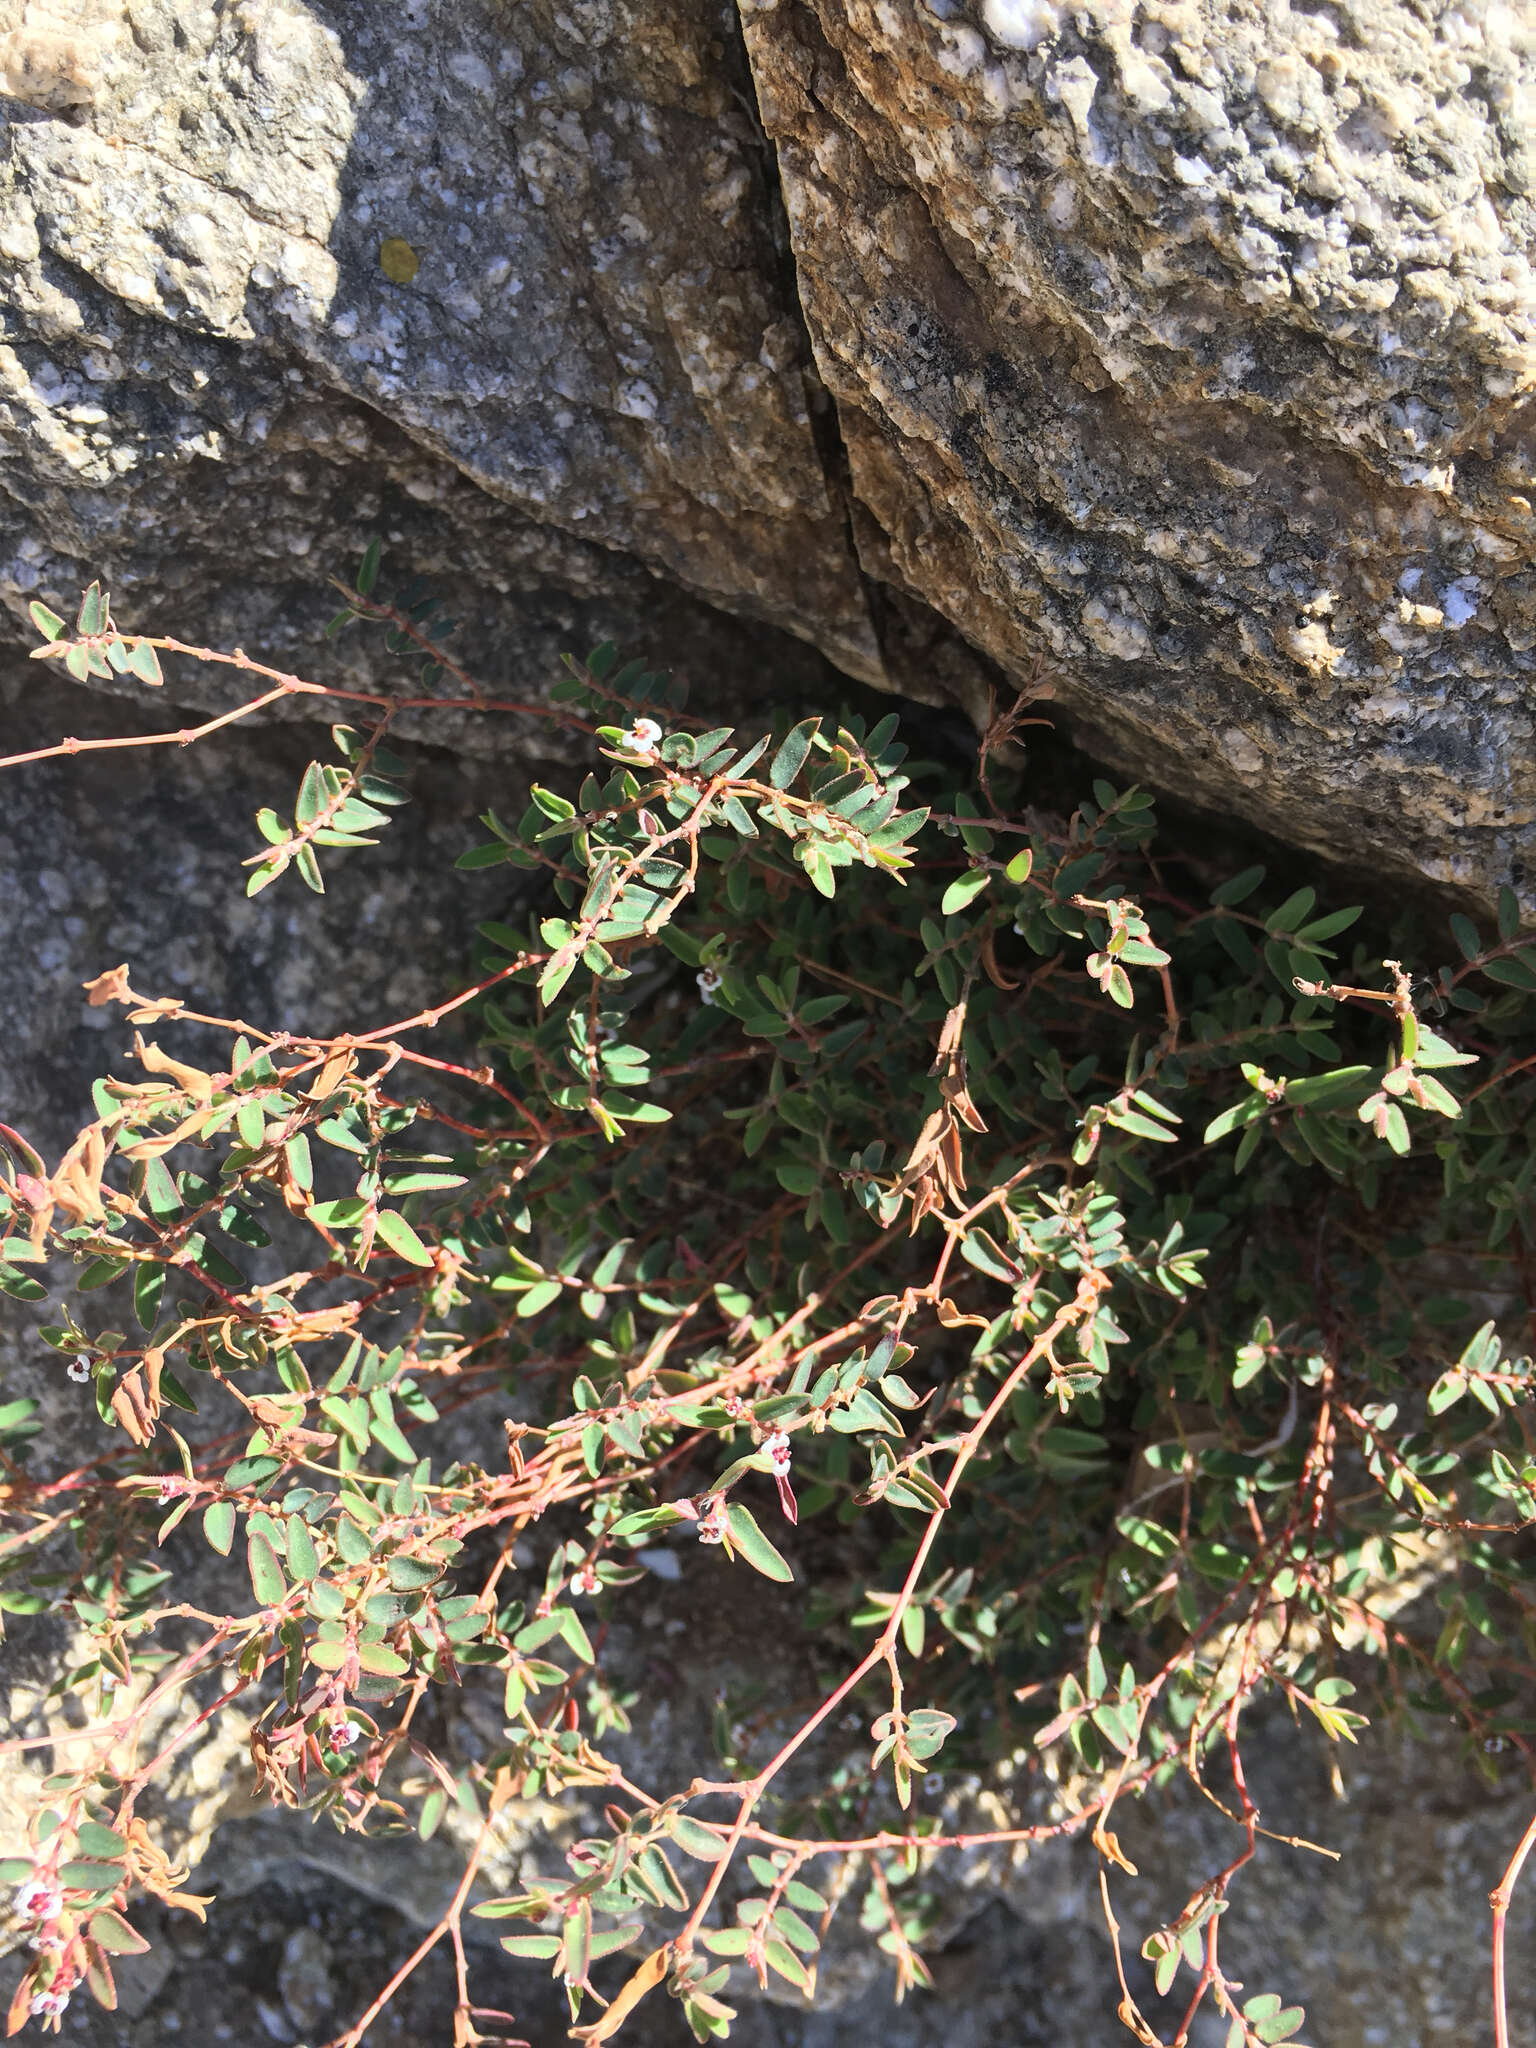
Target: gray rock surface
x,y
271,268
1184,346
1192,344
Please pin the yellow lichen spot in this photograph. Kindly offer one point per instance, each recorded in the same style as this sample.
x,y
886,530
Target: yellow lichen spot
x,y
398,260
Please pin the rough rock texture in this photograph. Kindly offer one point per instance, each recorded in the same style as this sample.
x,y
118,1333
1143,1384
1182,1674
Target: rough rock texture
x,y
271,269
1187,346
1193,344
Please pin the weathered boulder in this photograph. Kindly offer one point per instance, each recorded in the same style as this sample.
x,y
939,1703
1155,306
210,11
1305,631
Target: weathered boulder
x,y
503,282
1185,346
1192,344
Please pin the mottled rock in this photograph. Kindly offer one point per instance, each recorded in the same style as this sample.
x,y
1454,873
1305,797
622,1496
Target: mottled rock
x,y
1187,347
277,273
1192,346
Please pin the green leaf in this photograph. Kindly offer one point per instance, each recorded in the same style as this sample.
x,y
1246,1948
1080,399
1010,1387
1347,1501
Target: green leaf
x,y
89,1875
754,1545
48,623
964,889
1018,869
411,1574
1328,927
694,1839
539,1297
1291,914
787,1922
1435,1051
296,1153
144,662
790,758
219,1526
303,1558
381,1660
95,1840
267,1581
535,1947
1512,973
1342,1088
1282,2025
1238,889
368,568
313,795
394,1231
645,1520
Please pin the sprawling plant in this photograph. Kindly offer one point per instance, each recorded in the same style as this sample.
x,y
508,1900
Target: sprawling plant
x,y
852,1159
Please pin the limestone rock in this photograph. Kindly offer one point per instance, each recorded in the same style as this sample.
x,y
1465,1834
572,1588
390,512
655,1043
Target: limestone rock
x,y
1191,345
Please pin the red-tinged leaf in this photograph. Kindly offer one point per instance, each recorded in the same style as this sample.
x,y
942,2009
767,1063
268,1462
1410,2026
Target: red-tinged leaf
x,y
111,1931
538,1947
381,1661
787,1499
21,2004
726,1941
577,1946
694,1839
98,1977
145,663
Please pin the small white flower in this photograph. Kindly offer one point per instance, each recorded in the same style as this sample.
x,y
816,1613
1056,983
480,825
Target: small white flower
x,y
80,1370
49,2004
777,1447
708,982
711,1527
343,1734
37,1900
643,737
585,1581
